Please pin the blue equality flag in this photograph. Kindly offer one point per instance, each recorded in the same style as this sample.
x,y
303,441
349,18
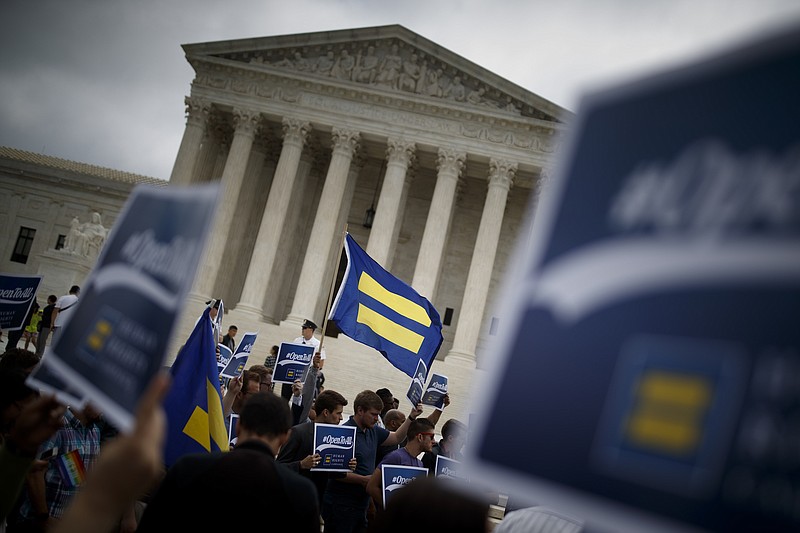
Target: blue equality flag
x,y
375,308
194,405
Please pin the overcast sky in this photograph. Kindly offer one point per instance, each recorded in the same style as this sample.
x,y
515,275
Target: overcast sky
x,y
103,81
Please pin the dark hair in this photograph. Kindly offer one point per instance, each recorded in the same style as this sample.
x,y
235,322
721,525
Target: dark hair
x,y
20,359
12,386
328,399
453,427
367,400
384,393
440,505
420,425
260,370
233,327
74,289
52,298
266,414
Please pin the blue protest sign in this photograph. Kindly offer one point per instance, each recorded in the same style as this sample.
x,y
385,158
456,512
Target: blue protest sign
x,y
396,477
649,330
336,446
17,294
437,389
448,468
237,362
232,422
417,387
225,355
292,361
117,337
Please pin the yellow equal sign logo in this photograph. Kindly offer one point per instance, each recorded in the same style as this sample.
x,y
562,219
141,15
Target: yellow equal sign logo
x,y
98,337
668,412
386,328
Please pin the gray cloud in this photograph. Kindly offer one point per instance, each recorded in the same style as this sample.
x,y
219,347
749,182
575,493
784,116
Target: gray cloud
x,y
103,82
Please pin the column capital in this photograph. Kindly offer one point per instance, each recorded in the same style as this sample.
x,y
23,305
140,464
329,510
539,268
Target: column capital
x,y
246,121
450,160
400,151
197,110
295,130
345,141
501,173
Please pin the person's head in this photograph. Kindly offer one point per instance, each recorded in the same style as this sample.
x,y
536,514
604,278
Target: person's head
x,y
367,408
308,329
265,416
454,432
75,290
250,385
531,518
14,394
439,505
20,359
393,419
232,331
264,377
329,406
274,350
52,299
421,435
387,398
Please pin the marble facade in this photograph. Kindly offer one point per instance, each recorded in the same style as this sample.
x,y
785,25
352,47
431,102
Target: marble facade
x,y
307,132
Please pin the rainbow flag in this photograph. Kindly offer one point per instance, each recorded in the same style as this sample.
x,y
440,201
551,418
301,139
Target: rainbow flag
x,y
70,466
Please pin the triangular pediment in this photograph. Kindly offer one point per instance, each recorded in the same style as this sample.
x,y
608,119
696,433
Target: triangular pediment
x,y
387,58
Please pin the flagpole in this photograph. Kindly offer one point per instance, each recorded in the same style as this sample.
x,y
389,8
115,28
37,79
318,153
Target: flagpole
x,y
333,283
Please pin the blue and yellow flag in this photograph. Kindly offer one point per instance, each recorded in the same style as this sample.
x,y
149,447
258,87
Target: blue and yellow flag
x,y
194,406
379,310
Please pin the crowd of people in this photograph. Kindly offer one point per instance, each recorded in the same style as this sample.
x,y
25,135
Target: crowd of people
x,y
68,469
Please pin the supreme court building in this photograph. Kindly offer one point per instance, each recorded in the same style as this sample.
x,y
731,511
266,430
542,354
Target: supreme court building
x,y
429,160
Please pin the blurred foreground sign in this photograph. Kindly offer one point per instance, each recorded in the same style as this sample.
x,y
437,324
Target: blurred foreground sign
x,y
649,373
117,337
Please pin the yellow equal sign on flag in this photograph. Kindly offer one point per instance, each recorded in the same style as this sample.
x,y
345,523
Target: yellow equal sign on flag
x,y
386,328
669,412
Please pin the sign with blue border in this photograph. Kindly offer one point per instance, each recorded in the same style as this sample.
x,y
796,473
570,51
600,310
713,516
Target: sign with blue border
x,y
396,477
17,294
336,445
648,329
436,391
117,337
237,362
417,386
292,362
449,468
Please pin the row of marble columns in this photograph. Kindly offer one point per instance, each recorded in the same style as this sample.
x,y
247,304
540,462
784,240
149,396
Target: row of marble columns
x,y
334,204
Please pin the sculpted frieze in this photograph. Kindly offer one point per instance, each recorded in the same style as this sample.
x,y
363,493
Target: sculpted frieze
x,y
291,93
394,65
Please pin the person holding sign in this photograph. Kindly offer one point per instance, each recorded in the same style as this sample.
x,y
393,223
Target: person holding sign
x,y
297,452
344,505
420,439
454,433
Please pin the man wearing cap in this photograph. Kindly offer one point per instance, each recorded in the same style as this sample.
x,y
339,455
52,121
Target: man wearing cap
x,y
306,337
